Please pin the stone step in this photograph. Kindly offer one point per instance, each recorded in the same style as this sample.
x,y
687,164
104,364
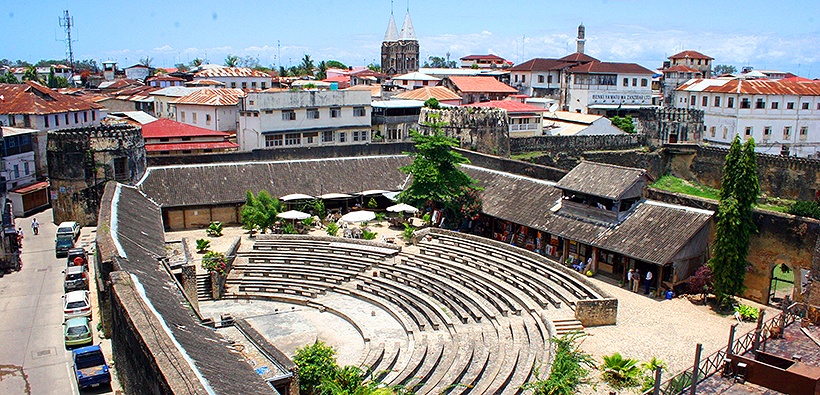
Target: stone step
x,y
566,325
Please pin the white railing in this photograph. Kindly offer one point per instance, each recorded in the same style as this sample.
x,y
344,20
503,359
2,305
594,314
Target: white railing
x,y
523,126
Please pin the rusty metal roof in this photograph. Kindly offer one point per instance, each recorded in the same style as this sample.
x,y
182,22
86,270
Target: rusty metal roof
x,y
33,98
439,92
230,72
753,87
480,84
212,97
690,54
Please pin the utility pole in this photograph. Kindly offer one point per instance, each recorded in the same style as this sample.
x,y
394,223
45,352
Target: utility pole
x,y
66,22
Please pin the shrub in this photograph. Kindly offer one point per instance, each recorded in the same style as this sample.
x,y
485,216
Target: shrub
x,y
214,262
315,361
202,245
805,209
620,372
408,231
380,216
319,209
288,229
426,218
214,229
649,372
332,229
747,313
372,203
308,222
569,368
368,235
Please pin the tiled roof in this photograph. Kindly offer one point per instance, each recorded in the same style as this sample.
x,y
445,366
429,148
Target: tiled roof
x,y
140,235
578,57
228,182
681,69
213,97
485,57
511,106
168,128
610,67
480,84
33,98
539,64
230,72
215,145
690,54
439,92
601,179
753,87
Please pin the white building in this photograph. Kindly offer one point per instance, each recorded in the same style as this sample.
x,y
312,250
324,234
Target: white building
x,y
304,118
566,123
138,72
24,192
682,67
236,77
213,109
782,116
164,106
415,80
524,120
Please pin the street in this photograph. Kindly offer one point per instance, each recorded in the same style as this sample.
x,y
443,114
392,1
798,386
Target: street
x,y
33,359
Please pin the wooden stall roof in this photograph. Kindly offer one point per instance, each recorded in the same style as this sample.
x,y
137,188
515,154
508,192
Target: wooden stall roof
x,y
601,179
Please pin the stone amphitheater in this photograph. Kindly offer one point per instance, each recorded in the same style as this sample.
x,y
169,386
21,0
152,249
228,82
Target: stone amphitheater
x,y
471,315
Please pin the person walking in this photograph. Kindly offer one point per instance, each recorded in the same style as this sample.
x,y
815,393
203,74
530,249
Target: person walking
x,y
648,280
629,278
636,280
35,226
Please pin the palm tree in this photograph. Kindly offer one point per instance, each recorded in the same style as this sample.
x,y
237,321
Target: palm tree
x,y
322,70
31,75
307,65
231,60
196,62
620,372
146,61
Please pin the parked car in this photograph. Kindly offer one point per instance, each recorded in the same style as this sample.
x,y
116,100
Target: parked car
x,y
77,331
73,254
69,227
75,279
63,243
90,368
76,304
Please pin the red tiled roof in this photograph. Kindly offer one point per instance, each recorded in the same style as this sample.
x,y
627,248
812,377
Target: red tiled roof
x,y
511,106
439,92
539,64
758,87
190,146
340,78
31,188
168,128
480,84
485,57
213,97
610,67
231,72
681,69
578,57
690,54
33,98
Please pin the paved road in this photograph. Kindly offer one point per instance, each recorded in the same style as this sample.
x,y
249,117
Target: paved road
x,y
33,359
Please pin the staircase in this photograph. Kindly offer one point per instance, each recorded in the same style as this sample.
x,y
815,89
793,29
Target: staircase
x,y
203,286
566,325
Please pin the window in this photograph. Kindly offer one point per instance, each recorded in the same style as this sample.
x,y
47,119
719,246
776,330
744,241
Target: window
x,y
717,101
335,112
233,84
355,135
767,132
515,78
207,119
288,115
644,82
66,118
626,81
634,82
93,115
327,136
804,132
253,85
775,105
712,131
705,101
16,171
748,131
264,85
692,100
745,103
805,106
193,117
56,121
293,139
186,139
549,81
274,140
540,79
725,132
311,138
818,106
244,85
730,102
85,116
359,112
182,116
164,139
790,105
342,137
76,117
250,102
45,120
760,104
523,79
787,132
120,168
312,113
27,120
25,168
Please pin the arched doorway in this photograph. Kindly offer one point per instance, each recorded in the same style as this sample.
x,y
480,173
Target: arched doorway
x,y
782,284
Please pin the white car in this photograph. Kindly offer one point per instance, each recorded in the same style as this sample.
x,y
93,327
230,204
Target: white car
x,y
76,304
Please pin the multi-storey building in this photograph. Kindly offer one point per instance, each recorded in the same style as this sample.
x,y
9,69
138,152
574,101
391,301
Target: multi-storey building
x,y
680,68
277,119
164,106
214,109
485,62
236,77
782,116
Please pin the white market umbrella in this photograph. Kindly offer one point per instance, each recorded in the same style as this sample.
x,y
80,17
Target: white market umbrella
x,y
296,196
359,216
391,195
329,196
372,192
402,208
293,214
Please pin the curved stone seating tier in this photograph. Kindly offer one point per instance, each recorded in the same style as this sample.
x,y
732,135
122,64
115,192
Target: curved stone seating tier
x,y
309,259
422,308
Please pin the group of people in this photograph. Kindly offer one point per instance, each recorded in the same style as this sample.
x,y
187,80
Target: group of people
x,y
634,278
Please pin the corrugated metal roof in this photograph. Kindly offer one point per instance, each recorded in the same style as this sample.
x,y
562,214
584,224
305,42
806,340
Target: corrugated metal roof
x,y
439,92
230,72
753,87
540,64
416,76
168,128
690,54
480,84
216,145
33,98
213,97
610,67
511,106
175,91
601,179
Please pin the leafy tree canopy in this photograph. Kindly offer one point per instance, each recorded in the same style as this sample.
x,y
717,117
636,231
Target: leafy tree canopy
x,y
335,64
624,123
440,62
721,69
8,78
231,60
374,67
316,362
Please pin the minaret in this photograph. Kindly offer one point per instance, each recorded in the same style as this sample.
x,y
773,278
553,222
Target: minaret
x,y
580,40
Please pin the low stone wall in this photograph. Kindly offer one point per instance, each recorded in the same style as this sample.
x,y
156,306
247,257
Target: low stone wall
x,y
532,170
597,312
218,280
371,243
479,128
575,145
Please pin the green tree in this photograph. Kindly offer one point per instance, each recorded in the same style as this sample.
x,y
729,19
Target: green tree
x,y
283,72
432,103
31,75
181,67
259,212
620,372
739,190
8,78
146,61
52,81
231,60
440,62
624,123
315,361
307,66
250,62
321,70
374,67
195,62
721,69
335,64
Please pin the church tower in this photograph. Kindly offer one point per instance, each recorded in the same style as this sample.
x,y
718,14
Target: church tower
x,y
400,52
580,41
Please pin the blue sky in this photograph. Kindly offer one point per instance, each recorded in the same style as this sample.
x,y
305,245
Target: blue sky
x,y
767,35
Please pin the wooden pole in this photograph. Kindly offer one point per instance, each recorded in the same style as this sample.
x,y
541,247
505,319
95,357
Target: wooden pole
x,y
758,330
730,346
696,369
658,373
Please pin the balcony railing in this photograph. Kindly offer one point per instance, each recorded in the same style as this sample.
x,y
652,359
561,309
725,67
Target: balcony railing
x,y
523,127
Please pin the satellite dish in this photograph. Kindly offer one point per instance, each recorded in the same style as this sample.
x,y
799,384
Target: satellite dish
x,y
553,108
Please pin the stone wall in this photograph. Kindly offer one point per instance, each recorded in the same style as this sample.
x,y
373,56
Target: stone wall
x,y
188,281
218,280
493,162
597,312
664,125
81,161
576,145
480,129
653,160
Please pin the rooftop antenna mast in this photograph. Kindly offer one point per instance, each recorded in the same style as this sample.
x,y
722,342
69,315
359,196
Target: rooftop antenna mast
x,y
66,22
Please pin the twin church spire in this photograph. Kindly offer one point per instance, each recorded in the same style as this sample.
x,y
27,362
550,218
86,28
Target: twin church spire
x,y
400,51
407,31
